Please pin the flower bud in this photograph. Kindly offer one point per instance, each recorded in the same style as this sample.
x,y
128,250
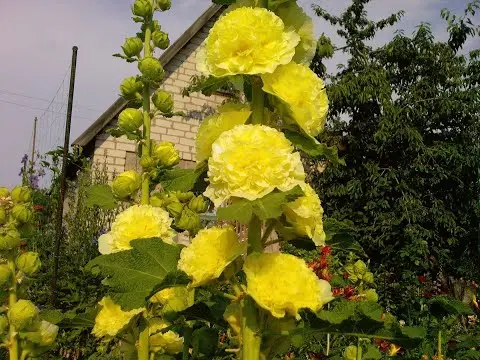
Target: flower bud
x,y
163,5
147,162
360,268
3,324
198,204
174,209
23,214
126,184
4,192
9,238
21,194
350,353
189,221
151,69
29,263
368,278
5,274
181,196
132,47
130,120
3,215
166,154
163,101
155,201
371,295
161,40
130,87
22,314
142,8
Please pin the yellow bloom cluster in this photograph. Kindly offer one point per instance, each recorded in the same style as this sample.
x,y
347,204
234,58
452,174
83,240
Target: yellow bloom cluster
x,y
300,96
251,161
229,116
305,214
247,41
174,299
164,343
111,319
283,284
210,252
137,222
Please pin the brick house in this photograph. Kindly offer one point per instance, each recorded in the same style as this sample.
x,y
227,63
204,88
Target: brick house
x,y
119,154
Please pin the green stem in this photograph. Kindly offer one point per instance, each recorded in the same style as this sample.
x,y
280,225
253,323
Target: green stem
x,y
143,342
267,232
439,345
12,299
187,336
258,101
359,355
251,331
263,4
328,345
255,234
147,121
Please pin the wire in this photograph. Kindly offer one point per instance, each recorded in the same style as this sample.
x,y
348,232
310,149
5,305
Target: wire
x,y
42,109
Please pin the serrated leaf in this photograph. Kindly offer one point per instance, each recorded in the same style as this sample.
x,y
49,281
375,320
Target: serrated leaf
x,y
78,321
372,353
241,211
181,179
133,274
101,196
341,312
52,316
345,243
312,147
441,306
174,278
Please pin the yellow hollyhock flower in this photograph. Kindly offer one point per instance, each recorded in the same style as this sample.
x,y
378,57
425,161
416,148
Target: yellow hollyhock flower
x,y
137,222
229,116
174,299
209,253
295,18
111,319
299,95
251,161
305,214
164,343
247,41
283,284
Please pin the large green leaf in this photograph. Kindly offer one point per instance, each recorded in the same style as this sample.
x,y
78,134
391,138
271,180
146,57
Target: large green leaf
x,y
102,196
268,207
183,179
133,274
346,243
372,353
313,148
441,306
78,321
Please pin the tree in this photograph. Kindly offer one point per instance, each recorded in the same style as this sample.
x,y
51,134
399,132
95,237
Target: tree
x,y
407,116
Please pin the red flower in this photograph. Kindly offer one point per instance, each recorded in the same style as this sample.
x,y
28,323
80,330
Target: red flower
x,y
349,292
338,291
326,250
421,278
345,275
38,208
323,262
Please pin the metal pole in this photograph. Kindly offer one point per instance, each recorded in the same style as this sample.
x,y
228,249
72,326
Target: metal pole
x,y
33,146
63,180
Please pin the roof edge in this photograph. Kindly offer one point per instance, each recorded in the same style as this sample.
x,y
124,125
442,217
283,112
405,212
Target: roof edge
x,y
89,134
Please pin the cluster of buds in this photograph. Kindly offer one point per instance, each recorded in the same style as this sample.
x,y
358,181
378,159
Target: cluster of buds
x,y
16,216
183,207
320,266
358,273
126,184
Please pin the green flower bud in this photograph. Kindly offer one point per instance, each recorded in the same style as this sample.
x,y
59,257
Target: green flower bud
x,y
175,209
3,324
4,192
198,204
142,8
132,47
189,221
5,274
161,40
130,120
3,216
22,213
151,69
130,87
21,194
371,295
368,278
9,238
22,314
182,197
163,101
155,201
147,162
350,353
164,5
166,154
29,263
360,268
126,184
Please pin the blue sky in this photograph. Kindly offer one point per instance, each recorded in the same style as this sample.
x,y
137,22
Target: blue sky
x,y
36,38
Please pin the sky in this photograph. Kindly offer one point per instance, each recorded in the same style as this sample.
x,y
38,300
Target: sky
x,y
36,39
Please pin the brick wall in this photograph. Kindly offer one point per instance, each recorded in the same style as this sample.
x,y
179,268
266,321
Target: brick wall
x,y
112,153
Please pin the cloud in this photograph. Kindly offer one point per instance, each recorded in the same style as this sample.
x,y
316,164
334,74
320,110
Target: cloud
x,y
37,38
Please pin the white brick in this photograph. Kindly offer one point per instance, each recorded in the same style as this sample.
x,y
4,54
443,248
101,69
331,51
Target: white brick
x,y
197,101
190,135
188,142
180,147
126,147
119,161
116,153
180,126
175,132
159,130
110,160
189,65
104,144
170,138
163,123
156,136
194,129
186,156
190,72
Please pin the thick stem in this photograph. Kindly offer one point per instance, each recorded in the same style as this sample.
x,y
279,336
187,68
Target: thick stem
x,y
255,234
359,354
147,121
251,331
439,345
12,299
143,343
328,345
258,101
